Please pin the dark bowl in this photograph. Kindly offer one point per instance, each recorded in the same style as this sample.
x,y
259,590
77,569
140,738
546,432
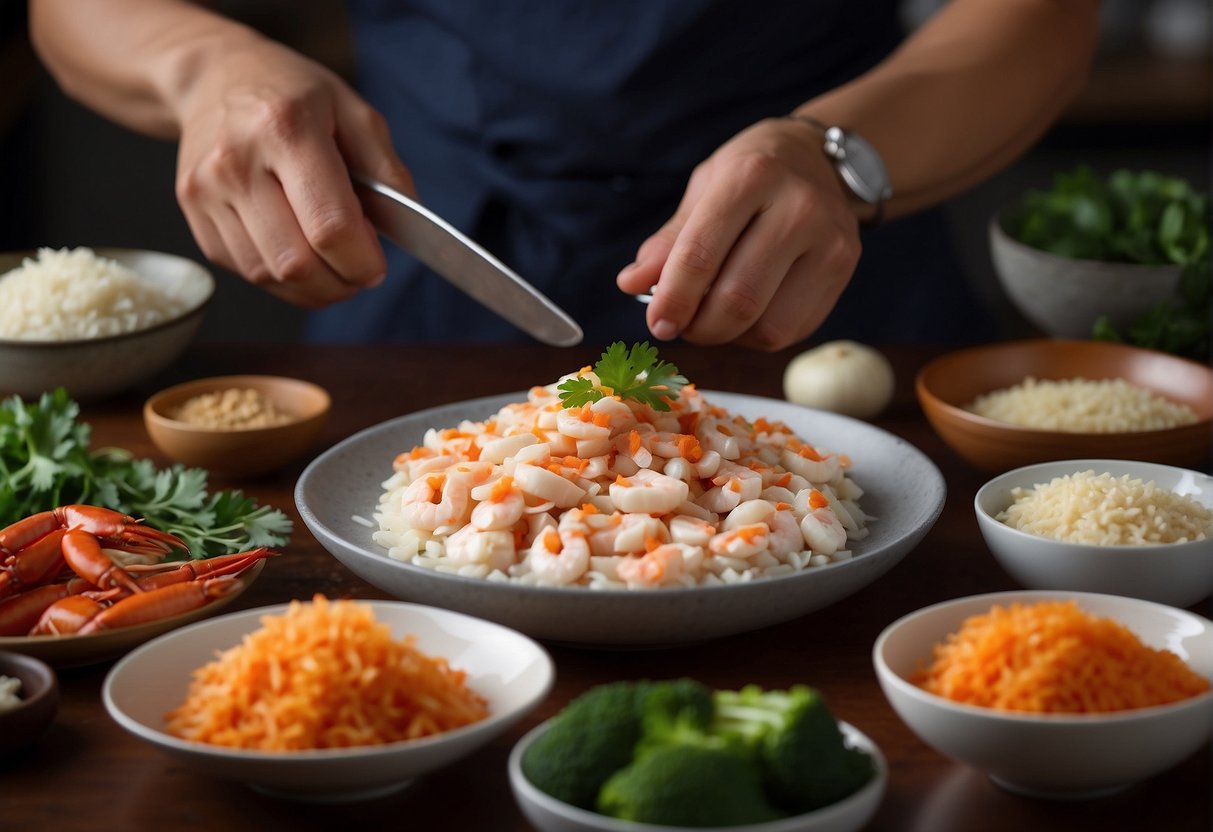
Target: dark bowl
x,y
22,725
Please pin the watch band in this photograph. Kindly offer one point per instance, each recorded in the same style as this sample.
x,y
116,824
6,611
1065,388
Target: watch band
x,y
835,140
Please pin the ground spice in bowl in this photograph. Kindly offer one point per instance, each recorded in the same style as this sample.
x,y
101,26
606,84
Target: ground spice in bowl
x,y
231,409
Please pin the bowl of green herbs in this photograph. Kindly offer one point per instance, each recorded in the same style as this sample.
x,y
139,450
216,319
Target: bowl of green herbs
x,y
1121,257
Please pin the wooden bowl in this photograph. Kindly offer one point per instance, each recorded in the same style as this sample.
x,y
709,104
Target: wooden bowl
x,y
238,451
948,384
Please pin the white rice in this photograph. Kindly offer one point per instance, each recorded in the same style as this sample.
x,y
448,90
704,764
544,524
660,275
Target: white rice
x,y
1103,510
1082,406
72,294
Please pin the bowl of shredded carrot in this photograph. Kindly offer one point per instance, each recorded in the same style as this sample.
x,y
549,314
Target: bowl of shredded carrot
x,y
1053,694
328,700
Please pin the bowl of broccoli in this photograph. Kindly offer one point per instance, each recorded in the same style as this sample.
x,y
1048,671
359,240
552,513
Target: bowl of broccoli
x,y
675,754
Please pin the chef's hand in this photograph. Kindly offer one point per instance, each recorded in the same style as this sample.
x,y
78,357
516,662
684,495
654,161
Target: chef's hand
x,y
268,140
760,248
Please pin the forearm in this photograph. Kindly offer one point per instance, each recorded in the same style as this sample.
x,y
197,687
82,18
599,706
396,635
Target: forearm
x,y
968,93
134,61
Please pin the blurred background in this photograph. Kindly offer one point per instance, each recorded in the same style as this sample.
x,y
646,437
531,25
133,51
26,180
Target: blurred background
x,y
70,178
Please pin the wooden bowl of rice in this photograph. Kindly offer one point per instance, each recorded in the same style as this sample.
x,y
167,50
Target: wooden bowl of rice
x,y
1003,406
95,322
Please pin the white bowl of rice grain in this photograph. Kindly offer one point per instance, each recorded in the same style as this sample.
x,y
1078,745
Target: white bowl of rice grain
x,y
1117,527
95,322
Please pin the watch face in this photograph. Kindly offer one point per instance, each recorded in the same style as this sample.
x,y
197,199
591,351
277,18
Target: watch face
x,y
863,170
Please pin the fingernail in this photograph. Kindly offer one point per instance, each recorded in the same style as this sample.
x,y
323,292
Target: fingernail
x,y
629,267
664,330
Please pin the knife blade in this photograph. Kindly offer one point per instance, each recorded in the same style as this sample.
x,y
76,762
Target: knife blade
x,y
450,253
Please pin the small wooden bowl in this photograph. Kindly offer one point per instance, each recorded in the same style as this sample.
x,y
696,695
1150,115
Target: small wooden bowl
x,y
240,451
950,383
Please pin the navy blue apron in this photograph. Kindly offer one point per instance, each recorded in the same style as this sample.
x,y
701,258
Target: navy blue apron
x,y
559,134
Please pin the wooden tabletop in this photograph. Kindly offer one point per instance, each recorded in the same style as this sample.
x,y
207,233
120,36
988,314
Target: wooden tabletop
x,y
87,773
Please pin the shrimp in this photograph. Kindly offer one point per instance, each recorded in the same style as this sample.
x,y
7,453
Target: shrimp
x,y
741,542
647,492
501,505
546,485
786,536
811,465
660,566
559,557
435,500
823,531
691,530
494,549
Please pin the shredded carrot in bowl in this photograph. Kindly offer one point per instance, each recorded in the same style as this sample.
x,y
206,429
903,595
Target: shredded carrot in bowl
x,y
1053,657
323,675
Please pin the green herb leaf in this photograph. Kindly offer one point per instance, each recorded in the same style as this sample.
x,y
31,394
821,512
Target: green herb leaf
x,y
634,374
45,461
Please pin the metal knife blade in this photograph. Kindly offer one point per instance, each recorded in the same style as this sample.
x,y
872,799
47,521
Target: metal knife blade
x,y
443,248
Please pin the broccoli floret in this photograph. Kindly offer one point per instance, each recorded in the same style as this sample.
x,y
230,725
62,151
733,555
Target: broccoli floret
x,y
592,738
805,761
596,734
687,785
676,712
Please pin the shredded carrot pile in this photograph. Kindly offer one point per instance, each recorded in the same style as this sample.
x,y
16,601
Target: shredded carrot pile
x,y
323,675
1053,657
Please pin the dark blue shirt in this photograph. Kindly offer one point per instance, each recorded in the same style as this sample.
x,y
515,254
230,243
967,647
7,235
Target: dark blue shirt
x,y
559,134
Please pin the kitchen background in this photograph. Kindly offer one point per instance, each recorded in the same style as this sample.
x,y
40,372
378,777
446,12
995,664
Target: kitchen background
x,y
70,178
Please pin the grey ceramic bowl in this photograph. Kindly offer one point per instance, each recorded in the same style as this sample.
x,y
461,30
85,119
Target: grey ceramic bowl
x,y
21,726
97,367
548,814
1179,574
903,490
1065,296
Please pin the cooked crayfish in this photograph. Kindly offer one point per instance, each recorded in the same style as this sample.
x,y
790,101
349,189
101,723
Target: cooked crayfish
x,y
102,594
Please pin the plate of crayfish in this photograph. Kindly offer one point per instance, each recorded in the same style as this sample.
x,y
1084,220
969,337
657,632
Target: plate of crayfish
x,y
81,584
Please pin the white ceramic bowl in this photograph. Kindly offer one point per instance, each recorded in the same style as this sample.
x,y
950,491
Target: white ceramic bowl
x,y
1065,296
1179,574
1051,755
548,814
96,367
903,490
512,672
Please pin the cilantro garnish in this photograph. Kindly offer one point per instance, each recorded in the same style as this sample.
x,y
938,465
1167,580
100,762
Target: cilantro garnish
x,y
45,461
631,374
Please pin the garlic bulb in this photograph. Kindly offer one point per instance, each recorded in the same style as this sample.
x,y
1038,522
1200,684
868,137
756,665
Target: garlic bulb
x,y
842,376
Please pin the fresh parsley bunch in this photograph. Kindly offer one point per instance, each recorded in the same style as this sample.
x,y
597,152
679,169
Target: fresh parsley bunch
x,y
1130,217
631,374
45,461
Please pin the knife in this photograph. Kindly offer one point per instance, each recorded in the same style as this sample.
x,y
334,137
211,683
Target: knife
x,y
439,245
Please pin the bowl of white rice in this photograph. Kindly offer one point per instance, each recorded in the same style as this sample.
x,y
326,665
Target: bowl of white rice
x,y
1002,406
1118,527
95,322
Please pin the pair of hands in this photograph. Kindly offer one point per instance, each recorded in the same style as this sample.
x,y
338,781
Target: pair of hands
x,y
757,253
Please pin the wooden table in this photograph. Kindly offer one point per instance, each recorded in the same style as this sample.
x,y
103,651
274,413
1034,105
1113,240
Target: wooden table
x,y
87,773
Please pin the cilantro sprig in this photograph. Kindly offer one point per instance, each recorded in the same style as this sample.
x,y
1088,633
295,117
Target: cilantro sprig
x,y
634,373
46,461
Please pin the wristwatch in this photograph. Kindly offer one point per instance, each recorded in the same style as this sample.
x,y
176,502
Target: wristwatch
x,y
858,164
